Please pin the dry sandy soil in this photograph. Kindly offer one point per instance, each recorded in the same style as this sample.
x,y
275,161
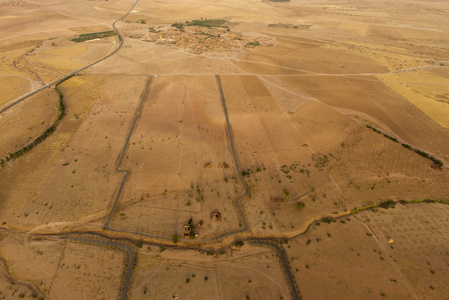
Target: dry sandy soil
x,y
251,271
399,253
61,268
181,128
127,166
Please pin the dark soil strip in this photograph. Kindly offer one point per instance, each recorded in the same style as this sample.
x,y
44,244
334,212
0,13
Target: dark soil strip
x,y
114,206
285,264
41,137
126,248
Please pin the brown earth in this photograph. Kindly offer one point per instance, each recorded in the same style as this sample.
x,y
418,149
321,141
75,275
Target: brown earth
x,y
181,128
20,125
248,271
396,253
63,269
298,99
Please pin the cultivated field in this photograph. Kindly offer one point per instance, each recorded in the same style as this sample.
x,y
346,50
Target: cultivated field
x,y
242,149
181,128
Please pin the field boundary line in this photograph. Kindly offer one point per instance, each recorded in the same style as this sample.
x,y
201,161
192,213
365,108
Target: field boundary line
x,y
125,147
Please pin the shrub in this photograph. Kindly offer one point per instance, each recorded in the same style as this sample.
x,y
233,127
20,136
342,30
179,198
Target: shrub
x,y
239,244
387,204
328,220
391,138
255,44
180,26
300,205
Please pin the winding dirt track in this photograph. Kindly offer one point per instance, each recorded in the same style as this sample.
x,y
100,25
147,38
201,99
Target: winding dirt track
x,y
126,172
264,242
259,242
127,248
120,37
124,247
285,264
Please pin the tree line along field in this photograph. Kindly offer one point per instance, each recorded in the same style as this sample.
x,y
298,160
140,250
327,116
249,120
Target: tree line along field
x,y
300,153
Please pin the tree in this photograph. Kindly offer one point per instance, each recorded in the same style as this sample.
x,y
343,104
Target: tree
x,y
239,244
300,205
175,238
180,26
286,193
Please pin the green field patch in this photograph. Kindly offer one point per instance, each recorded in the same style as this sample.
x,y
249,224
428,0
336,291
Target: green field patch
x,y
94,35
207,23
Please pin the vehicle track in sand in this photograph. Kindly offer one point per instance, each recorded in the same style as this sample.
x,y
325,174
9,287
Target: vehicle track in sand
x,y
271,242
244,227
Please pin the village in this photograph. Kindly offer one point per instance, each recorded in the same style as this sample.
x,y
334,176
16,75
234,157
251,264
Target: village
x,y
269,149
201,39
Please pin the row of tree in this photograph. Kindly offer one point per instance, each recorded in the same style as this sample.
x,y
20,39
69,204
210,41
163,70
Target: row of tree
x,y
438,162
41,137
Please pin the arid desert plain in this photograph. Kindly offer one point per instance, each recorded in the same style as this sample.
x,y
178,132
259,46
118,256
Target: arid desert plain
x,y
234,149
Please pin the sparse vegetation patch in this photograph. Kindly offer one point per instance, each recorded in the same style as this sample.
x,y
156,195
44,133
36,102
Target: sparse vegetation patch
x,y
293,26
